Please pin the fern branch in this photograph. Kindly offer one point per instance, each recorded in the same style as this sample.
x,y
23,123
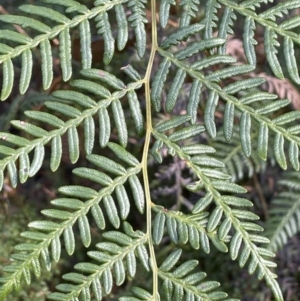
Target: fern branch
x,y
31,260
43,40
117,248
284,213
280,131
180,282
43,137
183,228
268,20
261,20
257,262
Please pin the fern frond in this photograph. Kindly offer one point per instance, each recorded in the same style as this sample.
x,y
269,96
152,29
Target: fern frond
x,y
290,60
285,212
206,87
291,23
70,4
272,31
213,60
242,105
243,245
183,228
81,200
74,118
116,253
181,282
279,9
62,30
199,46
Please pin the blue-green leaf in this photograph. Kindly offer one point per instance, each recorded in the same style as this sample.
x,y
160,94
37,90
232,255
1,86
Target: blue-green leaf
x,y
291,63
85,44
123,154
73,141
26,71
123,201
104,127
45,12
270,49
136,112
111,211
109,41
228,121
279,151
209,115
174,90
249,41
193,102
89,134
65,54
56,153
158,228
47,64
263,136
98,216
158,83
38,158
245,133
138,193
122,26
8,79
84,229
120,122
181,34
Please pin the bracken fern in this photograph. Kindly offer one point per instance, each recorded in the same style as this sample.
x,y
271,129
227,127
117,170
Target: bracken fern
x,y
194,52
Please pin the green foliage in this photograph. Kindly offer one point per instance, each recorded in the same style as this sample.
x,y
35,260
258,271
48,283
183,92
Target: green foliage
x,y
114,181
284,219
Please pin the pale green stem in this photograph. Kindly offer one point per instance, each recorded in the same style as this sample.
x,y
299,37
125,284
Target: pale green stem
x,y
146,150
